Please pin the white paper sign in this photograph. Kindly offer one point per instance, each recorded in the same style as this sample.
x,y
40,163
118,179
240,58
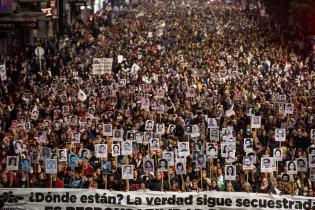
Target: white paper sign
x,y
3,72
81,95
120,58
102,66
135,68
51,166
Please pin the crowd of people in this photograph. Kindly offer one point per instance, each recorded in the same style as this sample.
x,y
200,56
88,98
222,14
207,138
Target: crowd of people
x,y
201,97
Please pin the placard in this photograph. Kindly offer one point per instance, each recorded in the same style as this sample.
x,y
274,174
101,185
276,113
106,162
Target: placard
x,y
102,66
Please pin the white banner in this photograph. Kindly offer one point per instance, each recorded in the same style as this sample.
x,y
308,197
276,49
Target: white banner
x,y
3,72
84,199
102,66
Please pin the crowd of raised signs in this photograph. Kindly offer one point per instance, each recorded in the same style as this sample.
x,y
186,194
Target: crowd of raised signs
x,y
164,97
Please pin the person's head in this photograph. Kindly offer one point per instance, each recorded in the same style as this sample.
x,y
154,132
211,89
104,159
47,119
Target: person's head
x,y
200,159
310,192
230,140
127,146
180,166
212,150
194,184
248,143
301,163
62,153
219,172
127,170
247,161
105,165
101,148
285,178
230,154
291,166
163,163
280,132
73,159
154,142
213,183
266,163
246,187
116,148
182,146
12,161
278,153
224,148
229,170
148,164
84,153
138,135
117,133
168,156
26,162
229,187
264,181
131,135
18,145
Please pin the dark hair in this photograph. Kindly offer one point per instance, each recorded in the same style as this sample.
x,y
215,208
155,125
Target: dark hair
x,y
229,167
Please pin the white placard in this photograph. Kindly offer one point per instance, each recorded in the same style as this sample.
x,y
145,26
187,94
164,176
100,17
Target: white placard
x,y
51,166
120,58
102,66
3,72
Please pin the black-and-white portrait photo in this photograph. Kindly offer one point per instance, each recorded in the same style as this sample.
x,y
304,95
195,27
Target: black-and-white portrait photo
x,y
12,163
255,121
301,164
149,125
230,172
115,150
163,165
247,163
183,148
169,157
266,164
277,154
106,167
180,167
248,144
292,167
84,154
101,150
62,155
127,171
280,134
154,144
126,148
148,165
